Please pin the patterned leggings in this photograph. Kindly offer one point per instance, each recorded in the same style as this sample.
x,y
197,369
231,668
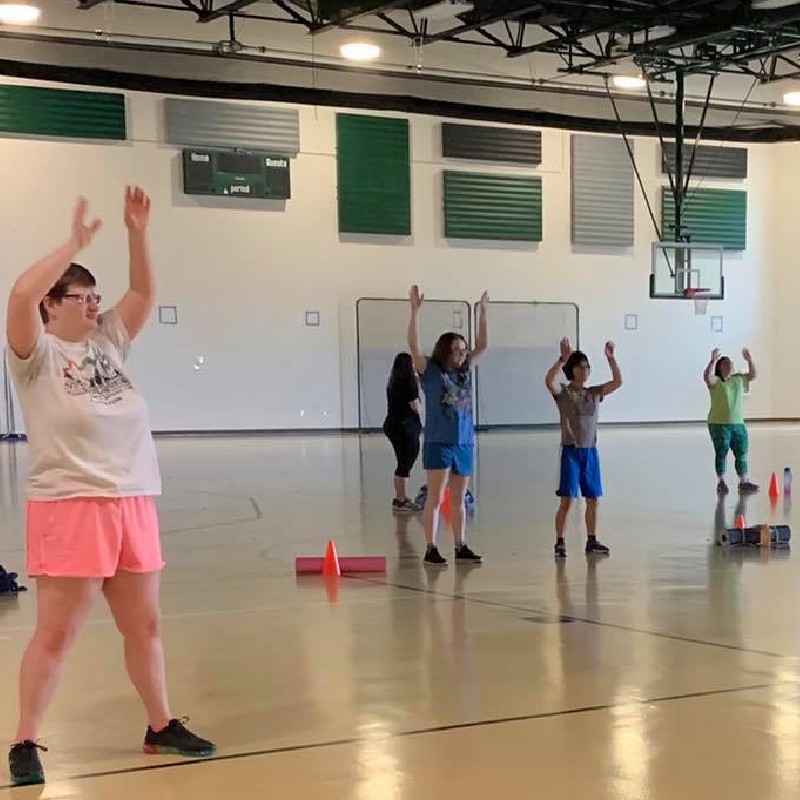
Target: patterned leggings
x,y
729,437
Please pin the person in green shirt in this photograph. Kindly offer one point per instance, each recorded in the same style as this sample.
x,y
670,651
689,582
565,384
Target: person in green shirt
x,y
726,420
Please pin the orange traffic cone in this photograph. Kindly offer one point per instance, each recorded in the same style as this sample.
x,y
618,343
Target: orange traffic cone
x,y
447,503
739,522
774,492
330,566
332,588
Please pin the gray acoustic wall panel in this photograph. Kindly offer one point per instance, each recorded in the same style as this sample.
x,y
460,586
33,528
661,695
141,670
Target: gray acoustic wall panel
x,y
710,162
202,123
486,143
602,191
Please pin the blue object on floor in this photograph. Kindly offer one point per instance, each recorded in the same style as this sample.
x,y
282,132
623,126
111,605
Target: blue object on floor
x,y
778,535
422,496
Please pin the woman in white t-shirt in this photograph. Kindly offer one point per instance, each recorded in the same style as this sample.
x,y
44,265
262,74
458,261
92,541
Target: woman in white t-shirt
x,y
91,522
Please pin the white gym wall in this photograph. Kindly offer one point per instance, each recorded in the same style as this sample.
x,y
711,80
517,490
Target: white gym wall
x,y
243,275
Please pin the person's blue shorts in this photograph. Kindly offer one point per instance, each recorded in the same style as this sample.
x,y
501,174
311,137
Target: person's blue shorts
x,y
580,468
458,458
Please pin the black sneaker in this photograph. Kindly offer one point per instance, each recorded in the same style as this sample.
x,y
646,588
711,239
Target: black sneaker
x,y
560,549
398,506
434,558
466,556
593,547
177,739
24,764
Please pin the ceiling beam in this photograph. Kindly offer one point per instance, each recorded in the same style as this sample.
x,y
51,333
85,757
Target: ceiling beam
x,y
474,24
86,5
721,27
224,11
293,13
380,8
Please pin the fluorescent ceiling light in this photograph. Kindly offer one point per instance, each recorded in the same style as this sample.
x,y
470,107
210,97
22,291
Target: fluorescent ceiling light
x,y
792,98
629,81
18,13
763,4
360,51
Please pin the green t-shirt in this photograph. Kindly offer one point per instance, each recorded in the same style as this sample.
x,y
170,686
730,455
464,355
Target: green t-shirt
x,y
726,401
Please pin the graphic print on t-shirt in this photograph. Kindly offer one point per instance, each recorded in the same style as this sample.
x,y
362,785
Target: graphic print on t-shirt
x,y
457,393
98,376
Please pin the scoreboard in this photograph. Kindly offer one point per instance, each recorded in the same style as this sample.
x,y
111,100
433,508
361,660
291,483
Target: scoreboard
x,y
237,173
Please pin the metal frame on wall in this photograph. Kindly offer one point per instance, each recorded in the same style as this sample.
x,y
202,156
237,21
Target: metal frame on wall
x,y
471,322
8,418
468,320
479,425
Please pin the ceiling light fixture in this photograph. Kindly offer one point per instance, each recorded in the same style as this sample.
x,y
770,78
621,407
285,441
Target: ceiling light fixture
x,y
792,98
360,51
767,4
629,81
18,13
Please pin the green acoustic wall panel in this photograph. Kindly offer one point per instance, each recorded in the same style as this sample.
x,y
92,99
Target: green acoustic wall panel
x,y
492,207
32,110
711,216
374,172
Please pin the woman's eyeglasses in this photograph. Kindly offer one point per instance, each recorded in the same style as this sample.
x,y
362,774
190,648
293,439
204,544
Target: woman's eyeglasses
x,y
85,299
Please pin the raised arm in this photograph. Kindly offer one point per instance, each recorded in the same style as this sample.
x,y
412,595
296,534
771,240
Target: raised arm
x,y
23,321
751,367
616,376
550,379
708,374
417,299
136,304
482,339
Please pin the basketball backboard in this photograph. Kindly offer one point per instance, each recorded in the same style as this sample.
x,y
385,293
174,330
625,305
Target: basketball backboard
x,y
684,271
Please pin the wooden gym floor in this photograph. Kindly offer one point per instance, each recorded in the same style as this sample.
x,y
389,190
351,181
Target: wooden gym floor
x,y
669,670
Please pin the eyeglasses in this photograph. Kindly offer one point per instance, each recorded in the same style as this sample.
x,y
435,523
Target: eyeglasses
x,y
85,299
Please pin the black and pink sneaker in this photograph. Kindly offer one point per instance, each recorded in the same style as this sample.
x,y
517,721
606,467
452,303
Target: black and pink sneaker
x,y
24,764
178,740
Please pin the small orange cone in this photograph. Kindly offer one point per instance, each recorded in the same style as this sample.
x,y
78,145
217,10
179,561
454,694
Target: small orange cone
x,y
739,522
332,588
774,492
330,566
447,503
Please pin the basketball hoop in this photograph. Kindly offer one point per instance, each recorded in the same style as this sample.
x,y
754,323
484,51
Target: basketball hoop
x,y
701,298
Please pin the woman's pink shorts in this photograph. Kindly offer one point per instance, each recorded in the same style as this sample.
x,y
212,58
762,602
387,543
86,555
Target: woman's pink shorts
x,y
93,537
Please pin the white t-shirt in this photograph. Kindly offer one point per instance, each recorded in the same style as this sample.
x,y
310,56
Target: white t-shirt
x,y
88,426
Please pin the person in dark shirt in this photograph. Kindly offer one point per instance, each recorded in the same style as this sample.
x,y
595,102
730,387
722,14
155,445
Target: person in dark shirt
x,y
403,427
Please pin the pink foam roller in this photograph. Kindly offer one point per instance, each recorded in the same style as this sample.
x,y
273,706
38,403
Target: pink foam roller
x,y
363,564
305,565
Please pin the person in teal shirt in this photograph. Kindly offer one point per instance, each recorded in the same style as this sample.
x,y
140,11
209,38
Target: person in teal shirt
x,y
726,420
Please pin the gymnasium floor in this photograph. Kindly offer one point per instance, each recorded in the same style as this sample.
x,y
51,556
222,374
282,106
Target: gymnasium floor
x,y
669,670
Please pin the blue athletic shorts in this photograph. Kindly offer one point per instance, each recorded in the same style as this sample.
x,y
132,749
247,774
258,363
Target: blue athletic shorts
x,y
458,458
580,469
